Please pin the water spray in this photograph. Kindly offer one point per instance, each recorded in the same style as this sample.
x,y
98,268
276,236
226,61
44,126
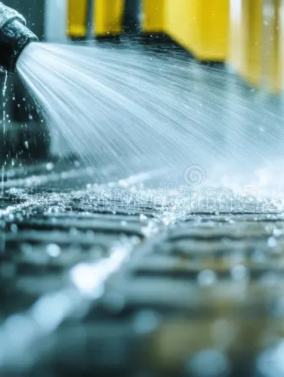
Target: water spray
x,y
14,37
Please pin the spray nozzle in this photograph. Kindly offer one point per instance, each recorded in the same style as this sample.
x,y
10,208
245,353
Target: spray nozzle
x,y
14,37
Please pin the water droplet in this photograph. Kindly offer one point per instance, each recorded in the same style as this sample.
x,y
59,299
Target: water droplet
x,y
272,242
49,166
239,272
53,250
208,363
143,218
207,277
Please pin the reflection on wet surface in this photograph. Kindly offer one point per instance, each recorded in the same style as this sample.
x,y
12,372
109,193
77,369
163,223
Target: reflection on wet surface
x,y
117,278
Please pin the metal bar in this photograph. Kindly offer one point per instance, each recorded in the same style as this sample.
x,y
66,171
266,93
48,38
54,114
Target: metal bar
x,y
90,19
132,16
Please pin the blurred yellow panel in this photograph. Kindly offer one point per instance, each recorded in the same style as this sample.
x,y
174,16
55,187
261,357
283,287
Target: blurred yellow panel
x,y
237,37
252,15
108,17
256,42
153,15
246,39
201,26
182,22
77,11
272,53
214,28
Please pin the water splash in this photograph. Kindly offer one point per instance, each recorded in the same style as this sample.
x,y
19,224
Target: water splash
x,y
4,125
136,109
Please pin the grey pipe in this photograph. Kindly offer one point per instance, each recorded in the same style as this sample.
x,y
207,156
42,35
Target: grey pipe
x,y
132,13
14,37
90,19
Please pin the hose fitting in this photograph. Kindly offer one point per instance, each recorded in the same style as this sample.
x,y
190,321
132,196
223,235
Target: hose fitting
x,y
14,37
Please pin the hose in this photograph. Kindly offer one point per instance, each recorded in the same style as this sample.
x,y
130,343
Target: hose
x,y
14,37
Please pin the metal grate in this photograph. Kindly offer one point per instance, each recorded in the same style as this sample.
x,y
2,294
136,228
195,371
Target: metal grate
x,y
163,300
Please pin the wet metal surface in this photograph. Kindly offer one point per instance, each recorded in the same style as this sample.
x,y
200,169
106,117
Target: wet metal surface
x,y
98,280
118,279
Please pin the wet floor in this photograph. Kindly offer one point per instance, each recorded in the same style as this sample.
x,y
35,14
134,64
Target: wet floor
x,y
102,274
120,279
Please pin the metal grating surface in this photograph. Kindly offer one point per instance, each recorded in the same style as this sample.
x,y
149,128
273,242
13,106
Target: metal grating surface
x,y
103,287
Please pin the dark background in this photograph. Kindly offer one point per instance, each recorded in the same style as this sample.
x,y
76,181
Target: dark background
x,y
22,129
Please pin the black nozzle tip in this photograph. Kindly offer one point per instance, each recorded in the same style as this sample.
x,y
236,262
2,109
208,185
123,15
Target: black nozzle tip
x,y
14,37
